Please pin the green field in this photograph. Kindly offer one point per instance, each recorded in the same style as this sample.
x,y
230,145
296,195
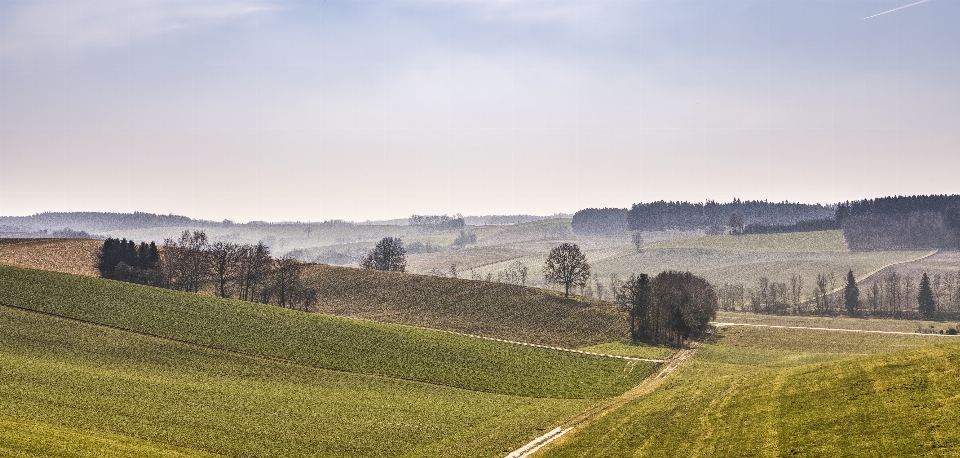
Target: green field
x,y
317,340
785,392
128,370
68,385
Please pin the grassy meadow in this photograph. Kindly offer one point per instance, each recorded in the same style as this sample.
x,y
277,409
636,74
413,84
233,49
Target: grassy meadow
x,y
69,385
788,392
317,340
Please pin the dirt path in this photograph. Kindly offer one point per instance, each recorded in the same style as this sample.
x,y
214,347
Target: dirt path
x,y
513,342
585,418
720,325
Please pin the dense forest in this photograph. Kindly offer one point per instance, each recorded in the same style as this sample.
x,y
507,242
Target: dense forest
x,y
662,215
599,221
901,222
190,263
95,222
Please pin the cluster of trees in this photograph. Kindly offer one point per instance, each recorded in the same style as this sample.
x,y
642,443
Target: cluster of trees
x,y
599,221
191,263
891,294
465,238
388,254
662,215
437,222
901,222
122,259
895,295
670,308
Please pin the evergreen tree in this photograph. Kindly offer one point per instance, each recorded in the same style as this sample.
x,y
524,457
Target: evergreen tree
x,y
925,301
851,295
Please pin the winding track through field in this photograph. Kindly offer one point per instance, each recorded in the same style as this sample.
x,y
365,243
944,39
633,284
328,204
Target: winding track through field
x,y
606,406
496,339
720,325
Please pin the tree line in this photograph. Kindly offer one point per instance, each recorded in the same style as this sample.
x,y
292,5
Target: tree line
x,y
663,215
599,221
901,222
192,263
888,295
437,222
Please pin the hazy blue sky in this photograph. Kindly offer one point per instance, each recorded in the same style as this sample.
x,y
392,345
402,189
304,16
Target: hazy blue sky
x,y
284,110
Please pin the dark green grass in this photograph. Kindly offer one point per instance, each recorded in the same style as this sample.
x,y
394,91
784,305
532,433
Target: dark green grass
x,y
771,392
68,386
322,341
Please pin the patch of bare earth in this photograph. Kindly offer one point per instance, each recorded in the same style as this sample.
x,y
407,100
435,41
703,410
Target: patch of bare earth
x,y
73,256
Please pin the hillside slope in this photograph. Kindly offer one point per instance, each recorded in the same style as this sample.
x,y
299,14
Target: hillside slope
x,y
490,309
317,340
788,392
75,389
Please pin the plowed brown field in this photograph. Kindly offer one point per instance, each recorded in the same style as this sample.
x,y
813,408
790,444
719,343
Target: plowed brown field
x,y
73,256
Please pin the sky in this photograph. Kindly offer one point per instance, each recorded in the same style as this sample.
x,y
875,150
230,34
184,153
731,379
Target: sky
x,y
366,110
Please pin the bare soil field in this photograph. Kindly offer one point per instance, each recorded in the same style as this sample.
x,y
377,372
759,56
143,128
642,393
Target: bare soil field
x,y
488,309
72,256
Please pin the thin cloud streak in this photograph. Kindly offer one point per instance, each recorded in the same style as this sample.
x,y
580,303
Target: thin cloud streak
x,y
37,28
895,9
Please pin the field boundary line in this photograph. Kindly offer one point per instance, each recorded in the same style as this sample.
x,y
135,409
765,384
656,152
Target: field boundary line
x,y
497,339
265,357
601,409
867,276
811,328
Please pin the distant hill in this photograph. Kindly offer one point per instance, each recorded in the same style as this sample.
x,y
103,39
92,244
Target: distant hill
x,y
97,222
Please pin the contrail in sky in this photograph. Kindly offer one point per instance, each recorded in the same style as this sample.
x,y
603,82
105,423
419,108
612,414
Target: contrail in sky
x,y
902,7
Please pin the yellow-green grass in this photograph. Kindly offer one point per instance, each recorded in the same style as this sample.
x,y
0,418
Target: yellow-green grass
x,y
474,307
783,392
318,340
69,388
31,439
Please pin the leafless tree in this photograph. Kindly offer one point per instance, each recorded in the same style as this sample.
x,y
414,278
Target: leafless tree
x,y
186,261
224,263
637,241
253,269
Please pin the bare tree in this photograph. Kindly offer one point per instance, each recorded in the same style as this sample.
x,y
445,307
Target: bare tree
x,y
796,290
637,241
186,261
224,263
736,224
567,265
252,270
